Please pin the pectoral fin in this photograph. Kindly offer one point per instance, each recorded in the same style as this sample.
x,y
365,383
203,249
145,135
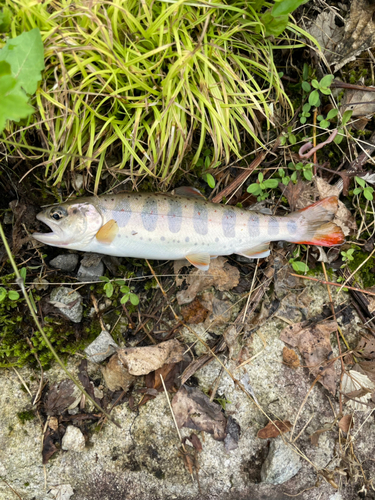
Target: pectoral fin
x,y
199,260
258,252
107,233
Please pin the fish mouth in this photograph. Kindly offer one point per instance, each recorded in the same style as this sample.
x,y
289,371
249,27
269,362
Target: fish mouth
x,y
55,237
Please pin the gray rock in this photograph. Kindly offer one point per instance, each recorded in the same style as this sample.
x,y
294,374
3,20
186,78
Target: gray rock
x,y
91,259
281,464
68,301
65,262
73,439
90,273
102,347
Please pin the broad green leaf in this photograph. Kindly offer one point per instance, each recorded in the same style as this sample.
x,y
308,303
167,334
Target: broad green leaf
x,y
210,180
306,86
314,98
308,175
360,181
254,189
5,68
13,295
274,26
315,84
368,194
357,191
124,299
325,123
260,177
25,54
300,267
292,138
325,91
346,117
3,293
12,106
108,287
306,107
303,119
134,299
332,113
271,183
326,81
283,7
320,118
23,273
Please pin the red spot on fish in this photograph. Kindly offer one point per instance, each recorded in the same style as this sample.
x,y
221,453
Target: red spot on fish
x,y
122,210
199,213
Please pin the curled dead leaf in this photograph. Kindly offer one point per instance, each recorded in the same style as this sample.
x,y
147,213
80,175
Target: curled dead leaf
x,y
116,376
143,360
274,429
194,410
346,423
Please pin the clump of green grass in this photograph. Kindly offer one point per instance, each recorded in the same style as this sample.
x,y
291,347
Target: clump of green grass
x,y
128,85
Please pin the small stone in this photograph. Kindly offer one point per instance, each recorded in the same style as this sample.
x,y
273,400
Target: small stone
x,y
281,464
102,347
73,439
65,262
77,181
68,302
91,259
92,273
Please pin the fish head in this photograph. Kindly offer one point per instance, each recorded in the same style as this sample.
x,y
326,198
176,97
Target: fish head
x,y
73,225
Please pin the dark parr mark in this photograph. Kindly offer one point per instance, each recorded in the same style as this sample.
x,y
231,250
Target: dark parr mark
x,y
174,215
273,226
229,223
124,214
187,239
292,226
150,214
253,226
200,218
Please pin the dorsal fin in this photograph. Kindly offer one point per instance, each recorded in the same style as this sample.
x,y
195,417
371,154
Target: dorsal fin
x,y
107,233
189,191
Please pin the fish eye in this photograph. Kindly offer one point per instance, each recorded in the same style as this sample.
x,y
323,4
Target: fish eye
x,y
58,213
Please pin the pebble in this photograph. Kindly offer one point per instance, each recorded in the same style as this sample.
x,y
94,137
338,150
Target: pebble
x,y
92,273
73,439
281,464
63,298
102,347
65,262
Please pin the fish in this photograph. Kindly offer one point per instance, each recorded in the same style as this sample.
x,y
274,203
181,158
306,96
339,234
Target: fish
x,y
181,225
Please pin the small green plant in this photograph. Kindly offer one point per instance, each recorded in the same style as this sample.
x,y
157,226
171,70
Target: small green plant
x,y
223,402
298,265
321,87
288,136
11,294
205,163
344,121
304,169
276,20
347,256
364,188
110,288
21,63
258,188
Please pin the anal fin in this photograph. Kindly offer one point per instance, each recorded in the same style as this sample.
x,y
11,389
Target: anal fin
x,y
108,232
199,260
259,252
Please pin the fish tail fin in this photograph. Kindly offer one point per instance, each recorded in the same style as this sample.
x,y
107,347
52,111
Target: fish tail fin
x,y
315,226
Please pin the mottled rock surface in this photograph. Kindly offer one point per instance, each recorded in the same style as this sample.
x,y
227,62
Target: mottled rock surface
x,y
281,464
73,439
102,347
65,262
69,302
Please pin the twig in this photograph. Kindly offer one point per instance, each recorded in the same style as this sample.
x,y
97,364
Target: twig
x,y
333,284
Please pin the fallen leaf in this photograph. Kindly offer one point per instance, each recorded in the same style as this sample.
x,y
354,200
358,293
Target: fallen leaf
x,y
328,35
49,447
354,381
143,360
194,313
293,193
365,348
220,274
194,410
116,376
170,373
85,380
346,423
233,431
195,441
290,358
314,344
59,397
360,102
274,429
343,217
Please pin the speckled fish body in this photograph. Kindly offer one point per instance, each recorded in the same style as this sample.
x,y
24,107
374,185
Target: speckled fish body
x,y
157,226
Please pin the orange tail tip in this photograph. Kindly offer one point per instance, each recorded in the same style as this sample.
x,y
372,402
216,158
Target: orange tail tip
x,y
320,230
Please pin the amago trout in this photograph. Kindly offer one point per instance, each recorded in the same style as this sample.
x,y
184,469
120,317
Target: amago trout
x,y
166,226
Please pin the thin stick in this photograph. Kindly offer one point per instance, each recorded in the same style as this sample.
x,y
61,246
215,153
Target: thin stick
x,y
23,382
333,284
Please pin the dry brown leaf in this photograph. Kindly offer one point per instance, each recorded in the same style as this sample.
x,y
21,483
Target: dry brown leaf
x,y
221,275
343,217
290,358
143,360
293,193
274,429
170,373
314,344
49,447
60,397
194,313
195,441
116,376
194,410
366,348
346,423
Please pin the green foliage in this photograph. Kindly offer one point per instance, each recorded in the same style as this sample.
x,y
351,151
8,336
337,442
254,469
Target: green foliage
x,y
25,416
21,63
363,188
110,287
304,168
322,87
288,136
10,294
344,121
276,19
258,188
139,79
347,256
366,273
5,20
298,265
206,163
